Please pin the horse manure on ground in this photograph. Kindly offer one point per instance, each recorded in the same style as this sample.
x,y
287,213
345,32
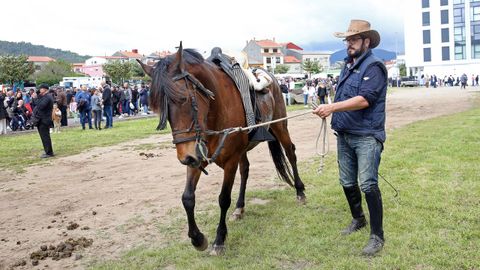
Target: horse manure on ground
x,y
72,226
60,251
148,155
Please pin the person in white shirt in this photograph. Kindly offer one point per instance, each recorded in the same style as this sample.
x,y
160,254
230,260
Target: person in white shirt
x,y
291,87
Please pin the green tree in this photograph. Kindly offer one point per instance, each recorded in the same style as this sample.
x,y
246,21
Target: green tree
x,y
15,69
281,69
403,69
118,71
312,67
138,73
53,72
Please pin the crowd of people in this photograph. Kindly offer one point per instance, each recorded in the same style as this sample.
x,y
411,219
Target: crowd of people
x,y
314,91
103,102
462,81
435,81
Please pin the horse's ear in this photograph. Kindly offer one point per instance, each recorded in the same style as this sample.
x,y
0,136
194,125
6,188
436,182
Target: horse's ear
x,y
148,69
179,59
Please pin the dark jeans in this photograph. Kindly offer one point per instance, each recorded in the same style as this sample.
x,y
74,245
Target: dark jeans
x,y
44,131
107,110
358,158
126,107
86,116
64,120
322,99
97,116
135,105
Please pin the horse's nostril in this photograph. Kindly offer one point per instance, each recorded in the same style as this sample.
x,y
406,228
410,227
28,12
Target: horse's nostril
x,y
189,161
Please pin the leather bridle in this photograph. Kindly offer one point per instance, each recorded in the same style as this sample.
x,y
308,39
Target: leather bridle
x,y
200,143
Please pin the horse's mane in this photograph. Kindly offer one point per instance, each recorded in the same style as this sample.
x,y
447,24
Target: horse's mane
x,y
163,91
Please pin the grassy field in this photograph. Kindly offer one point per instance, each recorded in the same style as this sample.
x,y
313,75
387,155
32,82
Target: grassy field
x,y
433,224
18,152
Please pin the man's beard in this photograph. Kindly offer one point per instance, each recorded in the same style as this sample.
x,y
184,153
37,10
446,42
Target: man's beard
x,y
356,53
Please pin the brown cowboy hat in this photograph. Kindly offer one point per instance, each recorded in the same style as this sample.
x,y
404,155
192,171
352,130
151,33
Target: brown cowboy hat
x,y
362,27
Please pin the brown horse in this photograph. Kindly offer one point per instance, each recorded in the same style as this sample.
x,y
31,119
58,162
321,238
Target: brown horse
x,y
202,104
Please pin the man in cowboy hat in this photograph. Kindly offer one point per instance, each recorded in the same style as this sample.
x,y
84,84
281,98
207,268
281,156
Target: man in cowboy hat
x,y
359,123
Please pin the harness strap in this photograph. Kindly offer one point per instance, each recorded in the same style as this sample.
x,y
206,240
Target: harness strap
x,y
183,130
220,146
183,140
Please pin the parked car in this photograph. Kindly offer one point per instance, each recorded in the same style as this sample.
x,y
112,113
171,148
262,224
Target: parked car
x,y
296,96
409,81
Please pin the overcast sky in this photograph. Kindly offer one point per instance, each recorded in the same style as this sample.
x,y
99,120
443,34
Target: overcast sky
x,y
97,27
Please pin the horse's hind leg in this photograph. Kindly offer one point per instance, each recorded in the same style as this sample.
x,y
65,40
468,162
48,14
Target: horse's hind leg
x,y
281,133
244,169
199,241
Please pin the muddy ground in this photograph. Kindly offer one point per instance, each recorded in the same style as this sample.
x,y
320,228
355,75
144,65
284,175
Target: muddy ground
x,y
117,196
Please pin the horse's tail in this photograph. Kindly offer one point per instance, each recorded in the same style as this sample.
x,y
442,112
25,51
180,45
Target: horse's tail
x,y
281,164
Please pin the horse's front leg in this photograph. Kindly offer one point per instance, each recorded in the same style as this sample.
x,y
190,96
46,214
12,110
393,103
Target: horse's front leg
x,y
199,241
224,199
244,170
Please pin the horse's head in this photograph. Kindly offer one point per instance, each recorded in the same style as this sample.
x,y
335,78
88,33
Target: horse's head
x,y
182,100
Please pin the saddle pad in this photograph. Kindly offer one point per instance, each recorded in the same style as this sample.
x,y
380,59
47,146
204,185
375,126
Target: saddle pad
x,y
241,81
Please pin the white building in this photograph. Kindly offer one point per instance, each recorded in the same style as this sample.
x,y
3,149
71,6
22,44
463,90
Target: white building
x,y
323,58
264,53
442,37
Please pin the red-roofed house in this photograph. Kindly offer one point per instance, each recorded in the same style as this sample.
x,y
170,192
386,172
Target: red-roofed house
x,y
291,46
39,61
264,53
155,56
294,64
78,67
132,56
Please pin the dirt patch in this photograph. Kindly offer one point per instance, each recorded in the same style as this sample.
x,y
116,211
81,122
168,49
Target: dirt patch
x,y
122,197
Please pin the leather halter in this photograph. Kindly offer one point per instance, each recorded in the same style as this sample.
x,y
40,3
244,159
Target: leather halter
x,y
194,126
200,144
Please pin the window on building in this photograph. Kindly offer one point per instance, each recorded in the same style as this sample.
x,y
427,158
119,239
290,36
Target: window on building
x,y
38,67
269,60
475,32
445,35
275,50
425,3
476,51
425,18
459,52
445,53
459,15
427,54
265,50
475,13
443,2
444,16
278,60
426,36
455,2
459,34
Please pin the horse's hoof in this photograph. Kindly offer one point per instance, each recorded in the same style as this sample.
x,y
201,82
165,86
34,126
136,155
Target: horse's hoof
x,y
217,250
237,214
203,246
302,200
